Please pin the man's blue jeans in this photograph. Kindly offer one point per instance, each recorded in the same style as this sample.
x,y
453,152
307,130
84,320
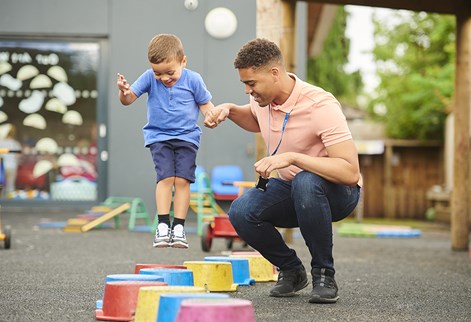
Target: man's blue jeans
x,y
309,202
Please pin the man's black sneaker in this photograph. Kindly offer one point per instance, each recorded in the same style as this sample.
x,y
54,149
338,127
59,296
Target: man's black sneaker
x,y
289,282
325,288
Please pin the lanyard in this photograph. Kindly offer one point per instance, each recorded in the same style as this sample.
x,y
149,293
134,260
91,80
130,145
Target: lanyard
x,y
282,132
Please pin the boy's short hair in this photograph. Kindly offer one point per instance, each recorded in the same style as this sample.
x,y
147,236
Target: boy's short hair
x,y
164,48
258,53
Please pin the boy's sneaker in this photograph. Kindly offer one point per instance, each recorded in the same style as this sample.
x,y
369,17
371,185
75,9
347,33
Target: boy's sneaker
x,y
289,282
178,237
162,236
325,288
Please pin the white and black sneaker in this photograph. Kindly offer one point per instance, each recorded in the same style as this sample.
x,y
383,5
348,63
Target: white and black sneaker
x,y
178,237
162,236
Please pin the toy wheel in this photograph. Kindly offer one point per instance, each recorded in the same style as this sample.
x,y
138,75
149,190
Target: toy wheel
x,y
207,237
7,232
229,243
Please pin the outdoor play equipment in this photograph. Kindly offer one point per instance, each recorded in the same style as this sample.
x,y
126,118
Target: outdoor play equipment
x,y
111,208
215,276
222,177
202,201
120,299
149,296
227,310
219,225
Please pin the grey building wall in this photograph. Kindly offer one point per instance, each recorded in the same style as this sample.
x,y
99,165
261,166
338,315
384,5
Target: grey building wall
x,y
124,29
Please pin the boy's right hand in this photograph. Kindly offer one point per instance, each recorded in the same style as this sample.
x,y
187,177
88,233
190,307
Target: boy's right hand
x,y
123,85
216,115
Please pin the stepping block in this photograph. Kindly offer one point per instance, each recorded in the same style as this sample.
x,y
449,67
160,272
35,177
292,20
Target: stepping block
x,y
149,297
52,224
120,299
261,270
240,268
370,230
227,310
216,276
172,276
170,303
140,266
129,277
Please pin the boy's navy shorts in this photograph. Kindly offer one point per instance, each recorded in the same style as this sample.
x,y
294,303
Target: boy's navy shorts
x,y
174,158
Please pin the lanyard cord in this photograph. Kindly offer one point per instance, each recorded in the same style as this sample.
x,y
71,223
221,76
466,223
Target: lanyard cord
x,y
282,131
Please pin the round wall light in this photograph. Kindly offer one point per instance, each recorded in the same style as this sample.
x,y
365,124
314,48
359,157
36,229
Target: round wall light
x,y
191,4
220,23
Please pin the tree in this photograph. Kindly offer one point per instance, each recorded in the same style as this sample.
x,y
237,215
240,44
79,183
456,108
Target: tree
x,y
414,55
328,69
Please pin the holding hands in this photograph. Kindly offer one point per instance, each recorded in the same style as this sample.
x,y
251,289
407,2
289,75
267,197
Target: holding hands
x,y
216,115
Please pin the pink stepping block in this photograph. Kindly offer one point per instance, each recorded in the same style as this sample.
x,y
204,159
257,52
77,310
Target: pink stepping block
x,y
227,310
120,300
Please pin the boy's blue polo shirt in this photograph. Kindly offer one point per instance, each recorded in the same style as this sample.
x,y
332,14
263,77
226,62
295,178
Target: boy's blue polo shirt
x,y
172,112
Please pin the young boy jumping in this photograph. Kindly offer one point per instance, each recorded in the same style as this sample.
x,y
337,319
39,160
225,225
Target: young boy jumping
x,y
175,97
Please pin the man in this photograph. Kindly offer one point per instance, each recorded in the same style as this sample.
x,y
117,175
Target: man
x,y
310,146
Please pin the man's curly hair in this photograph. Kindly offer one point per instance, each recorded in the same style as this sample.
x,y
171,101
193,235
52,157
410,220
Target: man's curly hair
x,y
258,53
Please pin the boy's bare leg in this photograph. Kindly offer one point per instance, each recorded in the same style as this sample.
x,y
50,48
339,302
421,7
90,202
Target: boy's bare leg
x,y
163,198
180,207
182,198
163,195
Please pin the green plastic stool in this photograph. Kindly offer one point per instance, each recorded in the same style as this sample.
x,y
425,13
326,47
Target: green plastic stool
x,y
136,211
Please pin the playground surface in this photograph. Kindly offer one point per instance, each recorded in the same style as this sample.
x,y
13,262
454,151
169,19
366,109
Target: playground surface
x,y
52,275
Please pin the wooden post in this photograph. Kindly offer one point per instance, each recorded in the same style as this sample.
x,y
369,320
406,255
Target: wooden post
x,y
388,181
288,48
276,22
268,27
461,183
287,41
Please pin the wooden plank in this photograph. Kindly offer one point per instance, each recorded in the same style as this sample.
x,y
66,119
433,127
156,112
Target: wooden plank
x,y
77,222
73,229
105,217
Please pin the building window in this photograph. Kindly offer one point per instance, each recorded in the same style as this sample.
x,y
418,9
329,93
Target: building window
x,y
48,105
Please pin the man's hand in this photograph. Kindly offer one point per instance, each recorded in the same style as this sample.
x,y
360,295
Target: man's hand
x,y
216,115
267,165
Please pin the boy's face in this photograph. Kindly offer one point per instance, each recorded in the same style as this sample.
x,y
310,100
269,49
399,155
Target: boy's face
x,y
168,72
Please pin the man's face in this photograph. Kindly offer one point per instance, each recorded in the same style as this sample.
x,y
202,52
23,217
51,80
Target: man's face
x,y
168,72
260,83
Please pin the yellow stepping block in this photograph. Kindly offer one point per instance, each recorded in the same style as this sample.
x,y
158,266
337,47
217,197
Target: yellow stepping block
x,y
148,299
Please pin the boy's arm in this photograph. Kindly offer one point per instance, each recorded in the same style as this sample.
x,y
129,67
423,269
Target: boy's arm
x,y
204,108
126,96
239,114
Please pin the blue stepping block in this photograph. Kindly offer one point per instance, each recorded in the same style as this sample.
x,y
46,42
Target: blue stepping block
x,y
171,276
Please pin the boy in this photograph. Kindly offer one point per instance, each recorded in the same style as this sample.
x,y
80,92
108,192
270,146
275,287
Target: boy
x,y
175,97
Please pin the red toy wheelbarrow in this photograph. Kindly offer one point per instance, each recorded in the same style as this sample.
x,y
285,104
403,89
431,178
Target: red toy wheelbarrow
x,y
220,227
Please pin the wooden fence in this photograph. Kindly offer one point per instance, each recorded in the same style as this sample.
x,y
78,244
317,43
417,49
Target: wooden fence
x,y
396,182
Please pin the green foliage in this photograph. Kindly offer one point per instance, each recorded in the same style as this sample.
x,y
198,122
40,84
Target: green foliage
x,y
327,70
414,54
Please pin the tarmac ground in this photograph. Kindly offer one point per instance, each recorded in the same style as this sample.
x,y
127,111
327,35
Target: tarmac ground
x,y
52,275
